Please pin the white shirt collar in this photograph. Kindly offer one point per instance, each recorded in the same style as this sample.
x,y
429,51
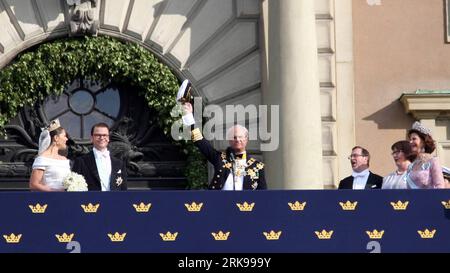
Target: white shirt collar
x,y
366,172
238,184
360,179
103,163
99,154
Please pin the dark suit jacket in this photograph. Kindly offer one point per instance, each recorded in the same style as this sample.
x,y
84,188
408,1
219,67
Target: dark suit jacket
x,y
373,182
86,166
222,168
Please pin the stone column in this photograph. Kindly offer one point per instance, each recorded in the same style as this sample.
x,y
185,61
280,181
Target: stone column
x,y
293,83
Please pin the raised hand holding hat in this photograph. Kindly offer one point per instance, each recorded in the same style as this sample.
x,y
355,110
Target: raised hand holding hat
x,y
184,96
184,92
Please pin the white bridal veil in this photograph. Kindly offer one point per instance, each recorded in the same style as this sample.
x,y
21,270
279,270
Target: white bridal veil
x,y
44,140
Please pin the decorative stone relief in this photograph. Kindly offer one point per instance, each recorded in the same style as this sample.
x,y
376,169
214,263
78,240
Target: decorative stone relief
x,y
82,17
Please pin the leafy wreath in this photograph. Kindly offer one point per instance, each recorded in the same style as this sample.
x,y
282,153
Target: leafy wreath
x,y
47,70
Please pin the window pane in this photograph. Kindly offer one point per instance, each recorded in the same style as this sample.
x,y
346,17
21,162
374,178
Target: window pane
x,y
54,106
94,86
92,119
81,102
72,124
74,85
108,102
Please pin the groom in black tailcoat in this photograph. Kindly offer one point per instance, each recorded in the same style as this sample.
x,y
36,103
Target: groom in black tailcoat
x,y
361,178
101,171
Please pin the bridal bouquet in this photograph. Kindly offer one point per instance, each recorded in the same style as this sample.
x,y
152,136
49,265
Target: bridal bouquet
x,y
75,182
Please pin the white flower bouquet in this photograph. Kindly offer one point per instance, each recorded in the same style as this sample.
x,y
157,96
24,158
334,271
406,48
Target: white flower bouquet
x,y
75,182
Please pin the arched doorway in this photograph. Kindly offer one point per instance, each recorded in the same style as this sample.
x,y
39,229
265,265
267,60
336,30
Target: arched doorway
x,y
134,97
214,44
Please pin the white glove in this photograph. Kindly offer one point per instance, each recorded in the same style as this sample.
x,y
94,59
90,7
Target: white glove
x,y
188,119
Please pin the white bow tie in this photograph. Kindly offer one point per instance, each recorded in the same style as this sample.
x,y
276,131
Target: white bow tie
x,y
361,174
104,154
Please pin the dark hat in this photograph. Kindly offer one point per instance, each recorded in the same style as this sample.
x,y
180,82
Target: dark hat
x,y
184,92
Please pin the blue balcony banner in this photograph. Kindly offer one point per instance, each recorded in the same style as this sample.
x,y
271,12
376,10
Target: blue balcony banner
x,y
328,221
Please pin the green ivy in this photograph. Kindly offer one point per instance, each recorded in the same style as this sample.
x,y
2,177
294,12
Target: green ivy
x,y
51,67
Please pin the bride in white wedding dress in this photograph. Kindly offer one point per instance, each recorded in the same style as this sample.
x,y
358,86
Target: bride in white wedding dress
x,y
49,167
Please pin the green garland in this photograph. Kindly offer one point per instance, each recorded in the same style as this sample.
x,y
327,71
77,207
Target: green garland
x,y
47,70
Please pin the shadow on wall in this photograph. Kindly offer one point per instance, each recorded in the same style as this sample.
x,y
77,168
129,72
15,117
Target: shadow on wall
x,y
27,23
24,13
444,123
211,45
391,117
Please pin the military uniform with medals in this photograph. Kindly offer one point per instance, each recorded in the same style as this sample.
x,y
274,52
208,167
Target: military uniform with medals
x,y
248,172
250,169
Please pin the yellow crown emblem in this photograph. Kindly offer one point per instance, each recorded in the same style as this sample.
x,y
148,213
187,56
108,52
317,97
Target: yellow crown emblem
x,y
12,239
89,208
117,237
446,204
272,235
348,205
64,238
38,209
194,207
169,237
142,207
245,206
375,234
400,205
297,205
220,236
426,234
324,235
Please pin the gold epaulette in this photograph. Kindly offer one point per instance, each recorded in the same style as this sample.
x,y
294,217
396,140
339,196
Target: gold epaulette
x,y
196,135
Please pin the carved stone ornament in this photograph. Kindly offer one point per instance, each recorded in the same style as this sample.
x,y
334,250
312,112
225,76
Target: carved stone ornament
x,y
82,17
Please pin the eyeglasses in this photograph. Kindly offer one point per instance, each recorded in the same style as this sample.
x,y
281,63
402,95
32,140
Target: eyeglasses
x,y
239,137
354,155
101,136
